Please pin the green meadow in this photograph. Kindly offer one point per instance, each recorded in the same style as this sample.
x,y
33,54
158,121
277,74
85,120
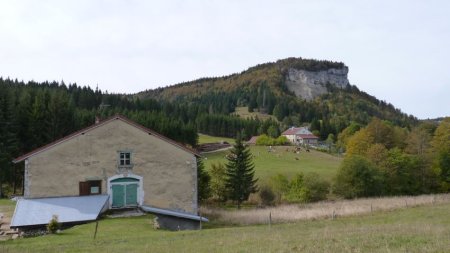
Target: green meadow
x,y
283,160
418,229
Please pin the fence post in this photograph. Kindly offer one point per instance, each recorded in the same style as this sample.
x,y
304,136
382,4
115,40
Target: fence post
x,y
270,219
200,214
96,227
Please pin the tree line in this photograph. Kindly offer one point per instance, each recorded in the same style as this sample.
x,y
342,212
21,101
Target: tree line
x,y
33,114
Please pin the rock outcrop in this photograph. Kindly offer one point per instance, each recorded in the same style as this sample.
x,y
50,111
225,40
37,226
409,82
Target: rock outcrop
x,y
310,84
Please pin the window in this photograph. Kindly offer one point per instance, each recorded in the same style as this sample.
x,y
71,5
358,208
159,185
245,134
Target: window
x,y
124,159
91,187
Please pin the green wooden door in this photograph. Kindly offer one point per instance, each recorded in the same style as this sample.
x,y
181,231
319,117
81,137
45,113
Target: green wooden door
x,y
124,192
118,193
131,195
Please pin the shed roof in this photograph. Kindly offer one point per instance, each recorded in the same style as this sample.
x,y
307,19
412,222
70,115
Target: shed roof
x,y
32,212
104,122
173,213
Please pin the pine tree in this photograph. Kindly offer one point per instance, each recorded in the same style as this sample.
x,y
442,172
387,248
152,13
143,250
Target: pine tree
x,y
240,172
203,179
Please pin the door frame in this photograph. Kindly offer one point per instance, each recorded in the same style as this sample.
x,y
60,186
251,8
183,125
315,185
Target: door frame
x,y
140,190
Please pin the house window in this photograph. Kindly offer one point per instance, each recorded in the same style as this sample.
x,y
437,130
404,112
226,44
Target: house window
x,y
91,187
125,159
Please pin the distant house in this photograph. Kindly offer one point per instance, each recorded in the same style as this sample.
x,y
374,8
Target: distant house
x,y
300,136
113,164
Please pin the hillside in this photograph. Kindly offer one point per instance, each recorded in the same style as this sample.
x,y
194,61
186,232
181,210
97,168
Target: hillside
x,y
282,160
294,90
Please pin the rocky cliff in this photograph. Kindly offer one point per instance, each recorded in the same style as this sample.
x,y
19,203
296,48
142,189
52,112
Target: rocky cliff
x,y
310,84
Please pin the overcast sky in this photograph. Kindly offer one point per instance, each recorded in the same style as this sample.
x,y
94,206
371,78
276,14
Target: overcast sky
x,y
397,51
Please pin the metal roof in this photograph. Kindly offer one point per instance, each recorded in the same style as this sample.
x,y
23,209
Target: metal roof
x,y
173,213
30,212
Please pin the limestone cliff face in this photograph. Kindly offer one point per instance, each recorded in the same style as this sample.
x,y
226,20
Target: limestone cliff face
x,y
310,84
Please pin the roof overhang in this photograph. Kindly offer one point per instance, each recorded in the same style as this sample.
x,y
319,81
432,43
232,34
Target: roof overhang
x,y
35,212
178,214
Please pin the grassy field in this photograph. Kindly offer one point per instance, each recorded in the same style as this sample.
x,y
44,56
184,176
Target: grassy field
x,y
243,113
418,229
203,138
7,207
268,164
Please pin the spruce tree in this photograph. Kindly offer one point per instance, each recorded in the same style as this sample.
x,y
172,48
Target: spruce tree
x,y
240,172
203,179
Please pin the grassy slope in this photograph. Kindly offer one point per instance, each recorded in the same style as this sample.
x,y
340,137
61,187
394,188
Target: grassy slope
x,y
282,161
203,138
420,229
243,113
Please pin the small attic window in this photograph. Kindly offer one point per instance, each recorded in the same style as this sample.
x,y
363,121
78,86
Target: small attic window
x,y
125,159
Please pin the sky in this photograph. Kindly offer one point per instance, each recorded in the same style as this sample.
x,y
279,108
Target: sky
x,y
398,51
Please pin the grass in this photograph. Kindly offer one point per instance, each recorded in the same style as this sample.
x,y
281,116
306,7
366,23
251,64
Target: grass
x,y
7,207
243,113
203,138
320,210
284,162
417,229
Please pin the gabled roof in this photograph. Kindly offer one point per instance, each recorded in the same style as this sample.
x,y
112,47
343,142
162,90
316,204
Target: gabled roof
x,y
104,122
297,131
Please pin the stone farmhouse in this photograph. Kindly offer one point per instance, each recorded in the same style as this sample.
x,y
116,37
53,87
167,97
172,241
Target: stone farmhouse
x,y
300,136
113,164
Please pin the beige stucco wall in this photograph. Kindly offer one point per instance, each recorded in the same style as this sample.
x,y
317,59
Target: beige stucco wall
x,y
169,172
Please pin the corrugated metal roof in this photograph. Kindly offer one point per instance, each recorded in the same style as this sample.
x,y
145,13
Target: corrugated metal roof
x,y
173,213
31,212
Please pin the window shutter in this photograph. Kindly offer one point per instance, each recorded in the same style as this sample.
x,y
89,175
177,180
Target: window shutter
x,y
84,188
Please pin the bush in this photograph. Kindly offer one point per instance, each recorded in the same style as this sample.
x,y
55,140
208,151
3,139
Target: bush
x,y
357,177
280,186
297,191
266,195
264,140
53,225
318,188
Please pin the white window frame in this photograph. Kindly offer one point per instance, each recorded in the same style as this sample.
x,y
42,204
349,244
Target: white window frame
x,y
119,159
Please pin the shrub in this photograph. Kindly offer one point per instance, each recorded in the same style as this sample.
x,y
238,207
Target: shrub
x,y
357,177
318,188
53,225
280,186
297,191
264,140
266,195
217,182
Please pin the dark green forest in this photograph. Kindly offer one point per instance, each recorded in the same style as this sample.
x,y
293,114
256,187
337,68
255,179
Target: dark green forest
x,y
33,114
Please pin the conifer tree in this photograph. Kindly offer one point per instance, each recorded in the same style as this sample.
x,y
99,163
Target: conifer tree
x,y
240,172
203,179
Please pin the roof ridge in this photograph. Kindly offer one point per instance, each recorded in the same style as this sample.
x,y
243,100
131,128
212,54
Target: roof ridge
x,y
101,123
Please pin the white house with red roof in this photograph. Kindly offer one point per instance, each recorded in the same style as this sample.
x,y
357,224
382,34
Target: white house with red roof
x,y
300,135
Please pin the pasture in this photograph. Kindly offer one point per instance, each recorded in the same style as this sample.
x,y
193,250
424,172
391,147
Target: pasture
x,y
282,159
414,229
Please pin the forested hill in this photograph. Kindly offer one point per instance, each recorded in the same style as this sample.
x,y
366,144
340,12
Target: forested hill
x,y
33,114
295,90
